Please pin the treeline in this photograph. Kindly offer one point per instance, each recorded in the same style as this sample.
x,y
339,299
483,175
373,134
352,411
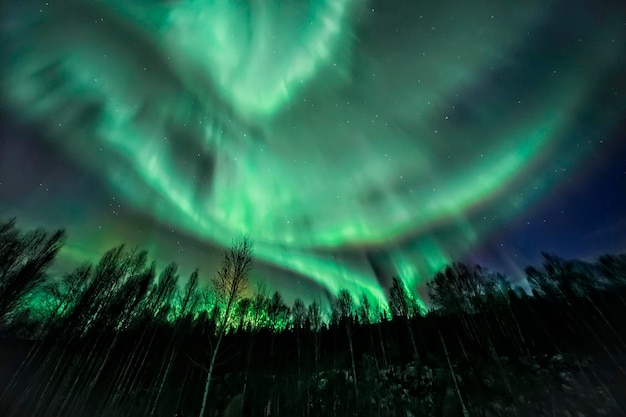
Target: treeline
x,y
117,337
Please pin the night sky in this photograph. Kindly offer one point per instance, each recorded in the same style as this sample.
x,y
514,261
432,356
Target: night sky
x,y
351,140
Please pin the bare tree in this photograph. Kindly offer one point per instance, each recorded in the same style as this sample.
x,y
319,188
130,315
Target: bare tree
x,y
229,284
365,313
314,318
24,260
344,306
402,307
187,299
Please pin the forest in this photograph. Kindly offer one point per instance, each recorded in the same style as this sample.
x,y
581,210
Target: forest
x,y
119,337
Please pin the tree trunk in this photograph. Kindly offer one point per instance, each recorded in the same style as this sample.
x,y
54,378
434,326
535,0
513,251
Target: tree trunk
x,y
170,360
248,358
182,388
356,389
382,346
456,385
222,330
207,382
415,353
374,349
299,361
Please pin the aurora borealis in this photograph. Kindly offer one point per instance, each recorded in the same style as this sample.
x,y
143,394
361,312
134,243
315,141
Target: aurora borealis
x,y
351,140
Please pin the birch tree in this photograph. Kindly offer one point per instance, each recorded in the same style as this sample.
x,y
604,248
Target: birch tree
x,y
229,284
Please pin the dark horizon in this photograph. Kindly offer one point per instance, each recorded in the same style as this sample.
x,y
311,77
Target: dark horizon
x,y
116,337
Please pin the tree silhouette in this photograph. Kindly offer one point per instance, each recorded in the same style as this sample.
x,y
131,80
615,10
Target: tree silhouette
x,y
365,316
113,338
314,318
186,301
298,312
229,284
403,308
24,260
344,307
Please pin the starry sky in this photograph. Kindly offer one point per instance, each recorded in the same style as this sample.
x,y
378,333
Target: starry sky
x,y
351,140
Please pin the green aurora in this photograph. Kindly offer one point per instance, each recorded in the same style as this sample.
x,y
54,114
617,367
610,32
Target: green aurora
x,y
344,137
